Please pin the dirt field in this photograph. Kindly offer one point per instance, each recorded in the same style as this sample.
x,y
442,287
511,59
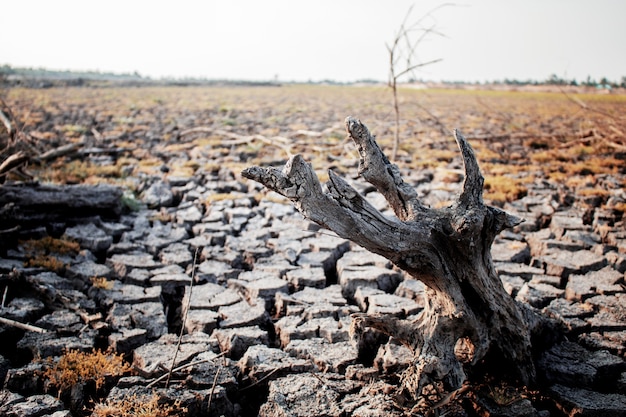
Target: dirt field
x,y
551,157
523,136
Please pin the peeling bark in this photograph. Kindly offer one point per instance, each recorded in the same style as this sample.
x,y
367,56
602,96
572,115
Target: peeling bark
x,y
468,314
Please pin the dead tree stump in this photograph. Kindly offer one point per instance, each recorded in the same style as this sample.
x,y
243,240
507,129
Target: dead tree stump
x,y
468,315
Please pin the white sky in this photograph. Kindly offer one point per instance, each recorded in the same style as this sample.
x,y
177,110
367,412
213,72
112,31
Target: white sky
x,y
342,40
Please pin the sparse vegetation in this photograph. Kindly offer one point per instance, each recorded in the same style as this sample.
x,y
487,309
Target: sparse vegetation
x,y
45,253
76,367
137,406
49,244
48,262
501,189
547,135
102,283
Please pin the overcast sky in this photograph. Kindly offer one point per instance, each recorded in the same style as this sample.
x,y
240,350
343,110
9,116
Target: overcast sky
x,y
291,40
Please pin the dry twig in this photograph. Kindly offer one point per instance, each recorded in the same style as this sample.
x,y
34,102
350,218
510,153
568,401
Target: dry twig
x,y
186,309
22,326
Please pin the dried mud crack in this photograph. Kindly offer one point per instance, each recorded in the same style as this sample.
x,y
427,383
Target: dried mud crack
x,y
266,321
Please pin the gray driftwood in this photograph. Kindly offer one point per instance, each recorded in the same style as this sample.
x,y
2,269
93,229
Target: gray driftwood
x,y
468,315
35,204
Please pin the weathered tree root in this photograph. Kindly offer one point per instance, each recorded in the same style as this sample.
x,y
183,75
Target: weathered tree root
x,y
468,314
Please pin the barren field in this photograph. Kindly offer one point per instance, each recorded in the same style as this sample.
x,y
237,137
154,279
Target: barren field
x,y
266,319
572,140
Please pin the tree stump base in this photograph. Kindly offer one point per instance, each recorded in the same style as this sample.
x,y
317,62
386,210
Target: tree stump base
x,y
468,316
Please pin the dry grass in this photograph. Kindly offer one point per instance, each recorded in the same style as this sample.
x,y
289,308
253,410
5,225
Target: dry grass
x,y
51,245
137,406
45,253
102,283
48,262
79,367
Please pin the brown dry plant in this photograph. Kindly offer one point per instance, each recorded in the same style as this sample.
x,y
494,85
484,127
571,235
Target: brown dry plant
x,y
75,367
137,406
102,283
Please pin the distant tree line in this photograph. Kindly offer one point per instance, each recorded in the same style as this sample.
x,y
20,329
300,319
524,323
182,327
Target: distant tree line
x,y
79,77
554,79
8,70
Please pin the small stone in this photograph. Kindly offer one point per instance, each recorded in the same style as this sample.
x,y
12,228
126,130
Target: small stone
x,y
212,370
567,221
211,297
306,277
181,279
293,327
44,345
263,288
126,340
512,284
361,258
36,405
510,251
605,281
359,372
8,265
328,310
377,301
325,260
235,342
138,276
87,270
329,357
159,194
571,314
122,264
614,342
582,402
351,278
243,314
587,239
162,235
124,294
24,380
523,271
308,395
188,215
571,364
148,316
547,279
124,247
201,321
116,230
616,260
215,271
8,399
23,310
89,236
61,321
261,362
393,357
328,242
176,254
564,263
538,295
611,312
411,289
153,356
312,296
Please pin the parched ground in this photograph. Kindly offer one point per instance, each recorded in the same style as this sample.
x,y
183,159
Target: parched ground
x,y
267,317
